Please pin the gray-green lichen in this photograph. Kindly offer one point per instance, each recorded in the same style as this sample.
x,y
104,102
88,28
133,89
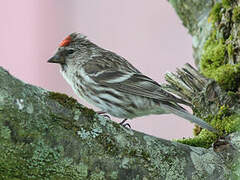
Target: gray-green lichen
x,y
50,136
191,12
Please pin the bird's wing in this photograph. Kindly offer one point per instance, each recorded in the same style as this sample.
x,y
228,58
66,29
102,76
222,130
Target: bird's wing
x,y
140,85
133,83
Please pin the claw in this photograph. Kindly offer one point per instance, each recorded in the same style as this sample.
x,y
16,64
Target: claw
x,y
125,124
121,123
104,114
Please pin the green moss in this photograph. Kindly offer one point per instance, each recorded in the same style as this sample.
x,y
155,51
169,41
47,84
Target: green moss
x,y
230,50
215,15
63,99
224,121
218,55
197,129
204,139
89,113
5,132
236,15
214,63
35,161
83,170
108,143
213,56
227,3
227,122
145,155
98,176
228,76
218,9
25,156
71,103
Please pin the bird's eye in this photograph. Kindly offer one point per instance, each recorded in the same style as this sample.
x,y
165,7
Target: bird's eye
x,y
70,51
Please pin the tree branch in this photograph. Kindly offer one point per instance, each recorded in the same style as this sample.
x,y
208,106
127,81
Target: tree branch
x,y
49,135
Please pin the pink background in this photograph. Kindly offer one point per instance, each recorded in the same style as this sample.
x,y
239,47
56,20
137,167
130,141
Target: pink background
x,y
147,33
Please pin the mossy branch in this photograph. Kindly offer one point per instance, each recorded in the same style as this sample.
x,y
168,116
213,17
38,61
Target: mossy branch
x,y
209,101
214,26
46,135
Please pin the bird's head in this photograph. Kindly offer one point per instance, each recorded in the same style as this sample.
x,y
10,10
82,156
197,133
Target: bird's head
x,y
70,48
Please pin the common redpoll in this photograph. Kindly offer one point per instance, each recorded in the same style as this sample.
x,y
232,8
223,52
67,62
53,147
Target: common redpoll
x,y
112,84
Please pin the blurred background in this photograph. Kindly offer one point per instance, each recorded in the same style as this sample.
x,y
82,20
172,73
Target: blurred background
x,y
147,33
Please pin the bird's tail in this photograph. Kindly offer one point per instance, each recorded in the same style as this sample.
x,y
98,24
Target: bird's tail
x,y
186,115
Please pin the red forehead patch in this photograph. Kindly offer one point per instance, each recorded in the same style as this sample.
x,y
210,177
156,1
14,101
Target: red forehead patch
x,y
66,41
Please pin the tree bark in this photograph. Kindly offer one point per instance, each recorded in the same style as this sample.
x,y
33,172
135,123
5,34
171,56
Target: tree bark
x,y
48,135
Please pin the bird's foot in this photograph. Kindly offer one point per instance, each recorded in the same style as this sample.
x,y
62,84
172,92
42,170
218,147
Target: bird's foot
x,y
104,114
125,124
122,123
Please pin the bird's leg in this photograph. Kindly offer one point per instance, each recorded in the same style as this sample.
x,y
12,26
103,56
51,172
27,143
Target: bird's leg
x,y
122,123
103,114
125,124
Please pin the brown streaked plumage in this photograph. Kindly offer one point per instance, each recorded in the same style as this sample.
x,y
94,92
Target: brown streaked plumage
x,y
111,83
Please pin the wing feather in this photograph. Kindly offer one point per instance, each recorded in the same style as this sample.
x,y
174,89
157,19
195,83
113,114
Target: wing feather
x,y
128,81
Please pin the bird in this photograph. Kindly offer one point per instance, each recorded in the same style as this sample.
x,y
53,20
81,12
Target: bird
x,y
114,85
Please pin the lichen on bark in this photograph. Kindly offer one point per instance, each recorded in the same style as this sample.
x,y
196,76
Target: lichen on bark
x,y
47,135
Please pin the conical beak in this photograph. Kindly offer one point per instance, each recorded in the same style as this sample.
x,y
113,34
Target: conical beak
x,y
56,59
52,60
